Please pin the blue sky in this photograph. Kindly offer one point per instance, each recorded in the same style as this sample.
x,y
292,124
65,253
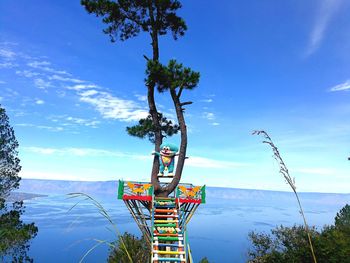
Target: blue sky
x,y
281,66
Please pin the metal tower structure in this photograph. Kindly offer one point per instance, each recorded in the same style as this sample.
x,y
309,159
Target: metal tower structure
x,y
163,220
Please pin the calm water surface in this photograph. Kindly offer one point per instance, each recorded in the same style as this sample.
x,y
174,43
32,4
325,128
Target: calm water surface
x,y
218,230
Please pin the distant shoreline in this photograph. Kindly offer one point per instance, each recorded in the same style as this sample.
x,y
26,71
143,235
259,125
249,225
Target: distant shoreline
x,y
21,196
102,184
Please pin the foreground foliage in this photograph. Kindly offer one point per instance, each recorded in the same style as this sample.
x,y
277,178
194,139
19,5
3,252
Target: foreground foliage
x,y
14,234
289,244
138,249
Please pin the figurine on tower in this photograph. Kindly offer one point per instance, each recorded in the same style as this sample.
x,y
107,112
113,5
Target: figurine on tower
x,y
167,154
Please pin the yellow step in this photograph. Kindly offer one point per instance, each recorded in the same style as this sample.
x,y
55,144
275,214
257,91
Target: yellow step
x,y
168,252
166,221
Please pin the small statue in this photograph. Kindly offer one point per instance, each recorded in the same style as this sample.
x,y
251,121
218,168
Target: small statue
x,y
167,154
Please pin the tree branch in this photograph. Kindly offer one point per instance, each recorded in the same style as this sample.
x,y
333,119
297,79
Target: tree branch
x,y
180,91
185,103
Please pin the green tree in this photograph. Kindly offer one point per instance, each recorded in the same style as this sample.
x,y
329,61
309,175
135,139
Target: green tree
x,y
204,260
14,234
138,249
126,19
289,244
342,220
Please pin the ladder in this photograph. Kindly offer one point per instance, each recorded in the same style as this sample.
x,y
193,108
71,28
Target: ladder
x,y
168,238
163,220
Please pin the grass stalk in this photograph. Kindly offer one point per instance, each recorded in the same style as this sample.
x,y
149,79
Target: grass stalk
x,y
290,181
104,213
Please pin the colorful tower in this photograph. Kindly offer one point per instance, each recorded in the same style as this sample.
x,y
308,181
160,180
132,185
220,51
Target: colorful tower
x,y
163,220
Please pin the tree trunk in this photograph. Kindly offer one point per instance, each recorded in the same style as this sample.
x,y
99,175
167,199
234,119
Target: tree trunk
x,y
158,190
152,105
158,138
183,146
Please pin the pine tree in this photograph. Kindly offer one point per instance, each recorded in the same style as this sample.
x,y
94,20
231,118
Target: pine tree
x,y
128,18
14,234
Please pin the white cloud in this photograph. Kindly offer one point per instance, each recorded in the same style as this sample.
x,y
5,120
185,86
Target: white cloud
x,y
341,87
47,175
88,93
8,43
44,66
39,102
8,65
27,73
207,100
44,76
19,113
87,152
45,151
327,10
82,87
38,64
11,93
7,54
50,128
210,163
42,127
111,107
211,118
208,115
60,78
62,122
92,152
42,84
141,97
85,122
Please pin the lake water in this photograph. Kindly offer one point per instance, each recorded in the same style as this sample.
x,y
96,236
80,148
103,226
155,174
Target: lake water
x,y
218,230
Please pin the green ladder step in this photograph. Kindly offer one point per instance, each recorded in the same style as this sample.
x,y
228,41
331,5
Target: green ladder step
x,y
168,238
168,259
166,225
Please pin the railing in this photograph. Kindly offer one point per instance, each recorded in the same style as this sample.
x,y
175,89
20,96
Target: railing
x,y
190,193
135,190
140,190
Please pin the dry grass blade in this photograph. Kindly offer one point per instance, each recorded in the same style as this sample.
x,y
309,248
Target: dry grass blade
x,y
105,214
99,242
89,251
291,181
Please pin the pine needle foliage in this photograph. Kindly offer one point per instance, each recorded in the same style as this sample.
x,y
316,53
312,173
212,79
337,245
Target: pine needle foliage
x,y
138,249
173,76
15,236
146,129
128,18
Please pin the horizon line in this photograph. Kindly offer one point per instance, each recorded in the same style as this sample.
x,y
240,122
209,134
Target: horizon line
x,y
249,189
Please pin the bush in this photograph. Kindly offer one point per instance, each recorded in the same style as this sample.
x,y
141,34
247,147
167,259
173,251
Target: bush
x,y
290,244
138,249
